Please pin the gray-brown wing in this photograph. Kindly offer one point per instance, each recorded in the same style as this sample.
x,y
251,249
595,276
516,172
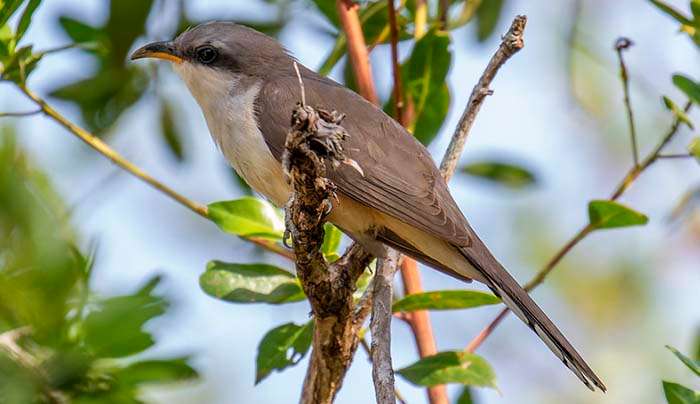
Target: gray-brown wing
x,y
399,179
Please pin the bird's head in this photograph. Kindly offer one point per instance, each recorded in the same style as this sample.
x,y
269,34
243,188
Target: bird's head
x,y
220,56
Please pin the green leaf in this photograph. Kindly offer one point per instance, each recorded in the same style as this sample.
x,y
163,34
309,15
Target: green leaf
x,y
171,134
26,18
424,75
103,97
677,394
695,9
114,329
609,215
248,217
675,14
7,44
328,9
693,365
157,371
331,239
82,33
20,64
250,283
444,300
677,111
688,86
282,347
501,172
694,148
466,396
487,16
450,367
127,21
7,8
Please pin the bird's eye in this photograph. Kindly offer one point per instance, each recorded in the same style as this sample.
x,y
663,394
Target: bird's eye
x,y
207,54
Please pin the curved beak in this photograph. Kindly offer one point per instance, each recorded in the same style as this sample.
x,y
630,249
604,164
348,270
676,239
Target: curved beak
x,y
165,50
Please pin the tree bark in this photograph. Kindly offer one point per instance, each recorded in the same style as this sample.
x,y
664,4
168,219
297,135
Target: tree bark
x,y
315,138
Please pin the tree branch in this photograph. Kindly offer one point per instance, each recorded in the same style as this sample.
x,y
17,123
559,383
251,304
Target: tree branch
x,y
104,149
620,46
624,184
357,49
316,137
512,42
9,343
418,321
19,114
380,327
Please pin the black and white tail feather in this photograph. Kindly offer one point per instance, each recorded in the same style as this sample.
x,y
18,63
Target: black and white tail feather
x,y
520,303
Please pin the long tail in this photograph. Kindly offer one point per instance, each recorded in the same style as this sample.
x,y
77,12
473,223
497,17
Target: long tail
x,y
520,303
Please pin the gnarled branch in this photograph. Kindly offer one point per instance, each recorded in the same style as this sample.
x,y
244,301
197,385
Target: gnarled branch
x,y
315,140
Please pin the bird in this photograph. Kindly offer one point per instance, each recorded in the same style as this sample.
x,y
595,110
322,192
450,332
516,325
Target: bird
x,y
247,87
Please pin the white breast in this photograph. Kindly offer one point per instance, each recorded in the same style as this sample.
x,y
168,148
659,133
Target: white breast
x,y
229,111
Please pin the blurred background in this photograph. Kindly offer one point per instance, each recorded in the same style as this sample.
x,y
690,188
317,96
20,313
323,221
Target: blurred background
x,y
556,111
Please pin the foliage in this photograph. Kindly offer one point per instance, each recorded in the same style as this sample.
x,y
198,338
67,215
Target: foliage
x,y
72,342
501,172
444,300
610,214
450,367
250,283
679,394
248,217
282,347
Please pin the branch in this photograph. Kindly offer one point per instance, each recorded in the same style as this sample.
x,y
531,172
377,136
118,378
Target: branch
x,y
365,347
624,184
620,46
104,149
9,344
19,114
512,42
316,137
357,49
396,68
444,13
380,327
418,321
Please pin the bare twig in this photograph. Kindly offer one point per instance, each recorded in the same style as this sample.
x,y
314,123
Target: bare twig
x,y
103,148
512,42
620,46
675,156
365,347
624,184
396,68
9,342
380,327
357,49
19,114
444,13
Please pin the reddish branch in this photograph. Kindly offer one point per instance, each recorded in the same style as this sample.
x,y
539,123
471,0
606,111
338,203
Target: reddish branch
x,y
357,49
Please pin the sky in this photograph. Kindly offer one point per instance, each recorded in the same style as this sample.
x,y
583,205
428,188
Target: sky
x,y
559,114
